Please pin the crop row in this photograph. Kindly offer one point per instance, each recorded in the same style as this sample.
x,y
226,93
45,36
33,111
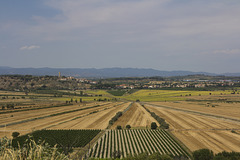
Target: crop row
x,y
131,142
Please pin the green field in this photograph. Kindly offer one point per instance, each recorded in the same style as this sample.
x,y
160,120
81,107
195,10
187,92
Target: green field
x,y
75,138
117,92
169,95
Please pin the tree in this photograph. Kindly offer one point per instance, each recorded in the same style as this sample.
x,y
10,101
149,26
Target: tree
x,y
153,125
203,154
119,127
81,93
15,134
128,126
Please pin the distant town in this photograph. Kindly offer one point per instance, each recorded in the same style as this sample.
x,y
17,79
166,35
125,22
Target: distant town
x,y
195,82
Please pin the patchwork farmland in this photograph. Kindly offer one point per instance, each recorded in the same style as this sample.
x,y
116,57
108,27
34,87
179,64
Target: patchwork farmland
x,y
50,118
193,124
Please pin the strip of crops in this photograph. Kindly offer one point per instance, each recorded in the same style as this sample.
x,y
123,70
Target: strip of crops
x,y
51,115
75,138
130,142
37,108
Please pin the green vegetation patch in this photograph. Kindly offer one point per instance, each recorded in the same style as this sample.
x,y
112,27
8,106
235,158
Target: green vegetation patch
x,y
171,95
117,92
63,138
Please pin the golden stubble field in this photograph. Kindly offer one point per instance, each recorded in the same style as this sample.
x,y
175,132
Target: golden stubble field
x,y
198,130
71,118
229,110
98,120
136,117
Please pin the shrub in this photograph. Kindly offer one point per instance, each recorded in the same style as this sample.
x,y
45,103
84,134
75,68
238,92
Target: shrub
x,y
15,134
154,125
128,126
203,154
116,154
119,127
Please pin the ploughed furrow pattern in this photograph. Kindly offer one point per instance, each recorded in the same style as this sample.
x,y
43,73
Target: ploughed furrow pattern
x,y
135,141
57,120
200,131
136,116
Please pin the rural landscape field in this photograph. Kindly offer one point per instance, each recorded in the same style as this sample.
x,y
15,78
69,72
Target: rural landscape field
x,y
123,123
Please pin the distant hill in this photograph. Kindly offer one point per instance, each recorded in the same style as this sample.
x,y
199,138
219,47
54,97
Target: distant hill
x,y
102,73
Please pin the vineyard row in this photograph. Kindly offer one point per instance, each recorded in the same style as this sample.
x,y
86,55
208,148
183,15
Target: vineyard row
x,y
131,142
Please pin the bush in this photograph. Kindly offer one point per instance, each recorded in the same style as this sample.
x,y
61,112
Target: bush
x,y
128,126
115,118
119,127
203,154
154,125
116,154
227,156
15,134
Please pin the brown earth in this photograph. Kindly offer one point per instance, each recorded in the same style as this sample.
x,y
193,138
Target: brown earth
x,y
136,117
198,131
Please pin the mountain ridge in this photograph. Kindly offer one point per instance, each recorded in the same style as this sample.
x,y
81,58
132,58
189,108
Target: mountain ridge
x,y
103,72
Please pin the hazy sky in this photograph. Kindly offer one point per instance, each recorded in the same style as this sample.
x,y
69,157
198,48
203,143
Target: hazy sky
x,y
193,35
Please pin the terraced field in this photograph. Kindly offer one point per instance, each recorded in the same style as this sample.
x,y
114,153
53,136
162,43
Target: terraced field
x,y
198,131
130,142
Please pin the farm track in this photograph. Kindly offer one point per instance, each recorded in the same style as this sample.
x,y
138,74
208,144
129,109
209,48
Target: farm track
x,y
49,121
140,141
199,131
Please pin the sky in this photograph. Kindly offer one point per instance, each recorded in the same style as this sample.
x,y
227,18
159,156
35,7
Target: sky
x,y
190,35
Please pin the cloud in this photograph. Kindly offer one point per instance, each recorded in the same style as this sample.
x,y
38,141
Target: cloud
x,y
227,51
224,52
29,47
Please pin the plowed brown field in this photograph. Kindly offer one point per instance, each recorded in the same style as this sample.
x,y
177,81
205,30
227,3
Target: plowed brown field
x,y
136,117
199,131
